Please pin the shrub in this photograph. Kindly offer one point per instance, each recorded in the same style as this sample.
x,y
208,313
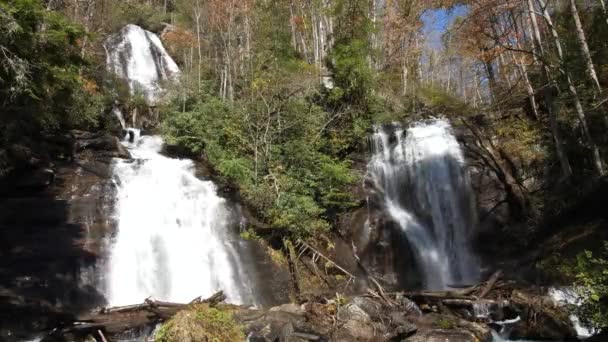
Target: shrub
x,y
200,324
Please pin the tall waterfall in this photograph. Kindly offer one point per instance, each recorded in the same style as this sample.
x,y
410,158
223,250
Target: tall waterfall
x,y
174,240
138,57
419,173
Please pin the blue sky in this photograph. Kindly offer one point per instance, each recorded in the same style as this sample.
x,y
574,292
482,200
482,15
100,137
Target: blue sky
x,y
436,22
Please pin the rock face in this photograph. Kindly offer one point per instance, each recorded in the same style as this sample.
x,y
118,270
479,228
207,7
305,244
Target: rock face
x,y
54,217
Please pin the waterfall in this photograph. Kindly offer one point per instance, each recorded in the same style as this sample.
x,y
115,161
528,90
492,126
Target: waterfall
x,y
138,57
420,175
174,240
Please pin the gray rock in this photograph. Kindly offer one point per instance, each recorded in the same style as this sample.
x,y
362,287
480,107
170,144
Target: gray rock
x,y
352,312
354,330
290,308
101,170
101,142
356,324
371,307
411,307
405,330
442,335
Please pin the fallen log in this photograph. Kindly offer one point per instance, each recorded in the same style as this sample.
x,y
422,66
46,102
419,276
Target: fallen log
x,y
118,320
490,283
463,294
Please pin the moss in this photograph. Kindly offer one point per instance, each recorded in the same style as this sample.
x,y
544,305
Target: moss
x,y
446,323
249,234
277,257
200,323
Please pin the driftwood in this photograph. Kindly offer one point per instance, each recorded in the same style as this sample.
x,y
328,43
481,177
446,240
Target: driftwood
x,y
490,283
117,320
468,294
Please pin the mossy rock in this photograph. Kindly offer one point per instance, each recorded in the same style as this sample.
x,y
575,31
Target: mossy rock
x,y
200,323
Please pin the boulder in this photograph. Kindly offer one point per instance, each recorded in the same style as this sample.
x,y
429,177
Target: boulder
x,y
355,324
100,142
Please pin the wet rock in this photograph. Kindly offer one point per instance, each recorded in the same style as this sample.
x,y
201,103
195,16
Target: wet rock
x,y
100,169
100,142
540,318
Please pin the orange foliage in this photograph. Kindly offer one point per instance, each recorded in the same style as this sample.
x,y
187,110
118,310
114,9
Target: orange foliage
x,y
89,86
178,40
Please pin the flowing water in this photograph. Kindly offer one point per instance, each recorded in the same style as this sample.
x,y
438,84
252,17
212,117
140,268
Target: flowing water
x,y
567,296
138,57
420,174
175,239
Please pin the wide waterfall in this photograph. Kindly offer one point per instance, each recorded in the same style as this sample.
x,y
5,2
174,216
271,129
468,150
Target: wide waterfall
x,y
420,174
174,240
138,57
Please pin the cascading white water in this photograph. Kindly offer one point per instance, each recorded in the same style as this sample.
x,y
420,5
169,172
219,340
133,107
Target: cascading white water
x,y
173,240
568,296
138,56
420,173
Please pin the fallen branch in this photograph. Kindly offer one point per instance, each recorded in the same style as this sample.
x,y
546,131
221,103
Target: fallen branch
x,y
490,283
117,320
464,294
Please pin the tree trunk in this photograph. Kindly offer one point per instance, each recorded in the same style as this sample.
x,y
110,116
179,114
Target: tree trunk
x,y
582,40
521,65
603,5
552,107
597,159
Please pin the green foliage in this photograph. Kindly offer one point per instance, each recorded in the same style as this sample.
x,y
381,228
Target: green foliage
x,y
143,14
270,145
444,103
349,58
352,75
44,82
591,284
200,323
446,322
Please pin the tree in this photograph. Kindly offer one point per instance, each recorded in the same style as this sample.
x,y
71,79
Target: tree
x,y
43,85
